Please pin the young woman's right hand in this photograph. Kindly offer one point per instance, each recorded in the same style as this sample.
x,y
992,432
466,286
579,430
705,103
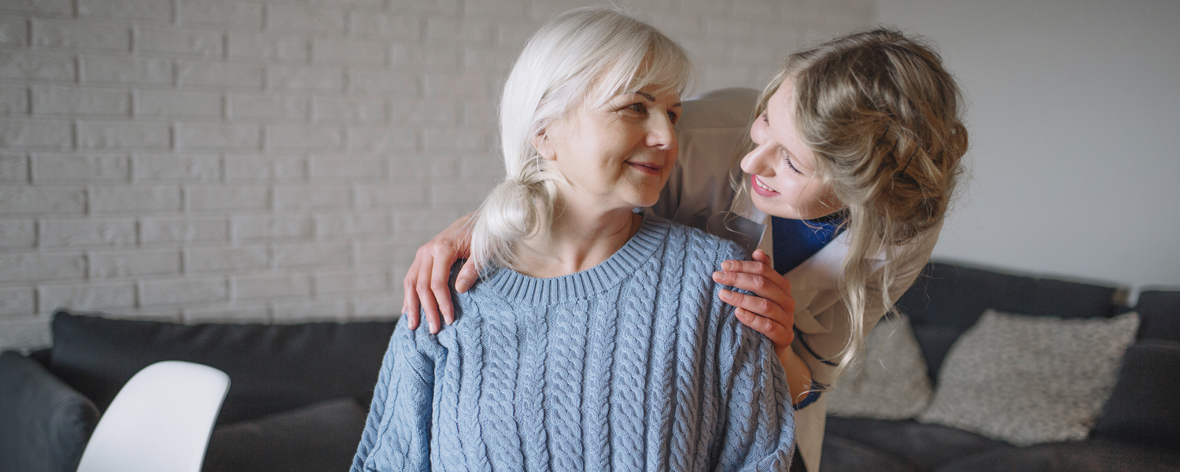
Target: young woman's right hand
x,y
771,309
425,284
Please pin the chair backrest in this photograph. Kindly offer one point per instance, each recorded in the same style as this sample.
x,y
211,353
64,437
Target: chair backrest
x,y
160,420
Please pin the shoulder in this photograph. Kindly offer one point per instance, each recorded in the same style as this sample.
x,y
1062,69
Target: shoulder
x,y
909,259
715,247
411,350
412,340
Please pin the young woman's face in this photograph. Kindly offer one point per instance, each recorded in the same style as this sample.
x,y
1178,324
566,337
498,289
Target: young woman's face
x,y
781,169
618,155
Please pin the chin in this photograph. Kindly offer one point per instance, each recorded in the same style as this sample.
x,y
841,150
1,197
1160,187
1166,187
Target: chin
x,y
775,210
643,196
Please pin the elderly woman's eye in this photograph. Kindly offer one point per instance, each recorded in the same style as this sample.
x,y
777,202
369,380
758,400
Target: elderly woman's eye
x,y
672,117
637,107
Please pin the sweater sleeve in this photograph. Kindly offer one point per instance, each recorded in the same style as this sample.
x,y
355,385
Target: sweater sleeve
x,y
397,430
759,433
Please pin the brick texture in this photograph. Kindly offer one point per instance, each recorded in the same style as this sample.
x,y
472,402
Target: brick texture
x,y
279,159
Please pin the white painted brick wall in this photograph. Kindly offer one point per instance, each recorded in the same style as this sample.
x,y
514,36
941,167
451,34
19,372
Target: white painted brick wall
x,y
278,159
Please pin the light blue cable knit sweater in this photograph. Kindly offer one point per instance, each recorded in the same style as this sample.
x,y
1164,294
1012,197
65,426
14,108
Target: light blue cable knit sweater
x,y
631,365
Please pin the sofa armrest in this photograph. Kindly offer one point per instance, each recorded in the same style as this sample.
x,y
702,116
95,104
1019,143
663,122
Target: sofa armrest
x,y
44,423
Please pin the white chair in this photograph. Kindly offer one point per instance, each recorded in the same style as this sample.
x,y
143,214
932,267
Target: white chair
x,y
159,422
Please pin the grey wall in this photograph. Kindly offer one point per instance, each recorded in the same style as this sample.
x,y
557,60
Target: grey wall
x,y
281,159
1075,133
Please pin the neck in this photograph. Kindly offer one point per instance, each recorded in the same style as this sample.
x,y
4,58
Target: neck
x,y
579,238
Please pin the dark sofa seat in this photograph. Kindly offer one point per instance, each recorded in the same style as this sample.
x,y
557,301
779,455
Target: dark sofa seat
x,y
322,436
1094,455
925,446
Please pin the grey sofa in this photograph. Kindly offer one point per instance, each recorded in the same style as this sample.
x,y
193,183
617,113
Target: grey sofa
x,y
1138,429
300,392
298,397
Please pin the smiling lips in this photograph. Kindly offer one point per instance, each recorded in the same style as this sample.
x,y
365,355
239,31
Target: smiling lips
x,y
646,167
761,188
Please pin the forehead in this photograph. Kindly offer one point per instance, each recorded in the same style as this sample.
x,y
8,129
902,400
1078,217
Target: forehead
x,y
782,100
650,93
780,116
780,113
655,77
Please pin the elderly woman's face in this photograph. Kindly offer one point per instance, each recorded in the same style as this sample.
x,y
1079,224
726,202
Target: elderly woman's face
x,y
618,155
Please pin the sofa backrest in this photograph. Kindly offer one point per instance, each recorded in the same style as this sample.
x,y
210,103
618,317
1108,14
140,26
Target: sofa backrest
x,y
272,367
1159,314
948,298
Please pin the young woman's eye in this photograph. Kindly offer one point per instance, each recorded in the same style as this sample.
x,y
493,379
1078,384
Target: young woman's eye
x,y
765,119
787,157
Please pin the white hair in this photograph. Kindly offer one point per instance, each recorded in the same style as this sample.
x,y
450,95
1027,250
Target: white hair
x,y
583,56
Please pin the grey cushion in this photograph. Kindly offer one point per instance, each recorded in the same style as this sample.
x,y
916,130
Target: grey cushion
x,y
320,437
891,383
949,298
1029,380
1145,405
45,423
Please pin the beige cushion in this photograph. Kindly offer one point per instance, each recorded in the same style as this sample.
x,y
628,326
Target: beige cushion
x,y
1029,380
891,383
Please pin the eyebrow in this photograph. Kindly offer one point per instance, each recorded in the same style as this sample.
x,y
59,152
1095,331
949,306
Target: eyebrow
x,y
652,98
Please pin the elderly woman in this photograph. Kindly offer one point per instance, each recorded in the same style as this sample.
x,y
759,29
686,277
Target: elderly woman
x,y
595,339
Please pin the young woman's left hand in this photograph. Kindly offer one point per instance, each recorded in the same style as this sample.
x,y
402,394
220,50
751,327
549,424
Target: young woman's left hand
x,y
772,311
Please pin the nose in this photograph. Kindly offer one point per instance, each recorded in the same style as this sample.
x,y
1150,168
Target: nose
x,y
757,161
661,133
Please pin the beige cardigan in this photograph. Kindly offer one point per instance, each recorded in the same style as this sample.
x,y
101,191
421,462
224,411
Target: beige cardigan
x,y
699,194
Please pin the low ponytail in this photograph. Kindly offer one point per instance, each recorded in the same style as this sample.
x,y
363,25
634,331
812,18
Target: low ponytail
x,y
517,208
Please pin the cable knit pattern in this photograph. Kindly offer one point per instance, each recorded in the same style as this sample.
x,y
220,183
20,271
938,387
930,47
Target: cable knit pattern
x,y
631,365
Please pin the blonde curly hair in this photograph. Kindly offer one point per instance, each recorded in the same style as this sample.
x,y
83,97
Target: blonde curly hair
x,y
882,116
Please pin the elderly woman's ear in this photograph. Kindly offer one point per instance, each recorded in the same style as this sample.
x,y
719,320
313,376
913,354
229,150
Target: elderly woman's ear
x,y
544,145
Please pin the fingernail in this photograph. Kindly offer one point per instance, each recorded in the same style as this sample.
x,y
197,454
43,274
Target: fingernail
x,y
461,285
727,265
717,276
725,294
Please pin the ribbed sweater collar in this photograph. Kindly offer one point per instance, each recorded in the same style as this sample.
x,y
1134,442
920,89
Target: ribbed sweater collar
x,y
519,288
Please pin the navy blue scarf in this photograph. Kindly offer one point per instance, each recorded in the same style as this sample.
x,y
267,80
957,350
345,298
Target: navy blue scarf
x,y
797,240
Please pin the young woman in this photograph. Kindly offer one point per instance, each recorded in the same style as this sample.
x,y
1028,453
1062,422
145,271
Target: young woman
x,y
595,340
844,176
